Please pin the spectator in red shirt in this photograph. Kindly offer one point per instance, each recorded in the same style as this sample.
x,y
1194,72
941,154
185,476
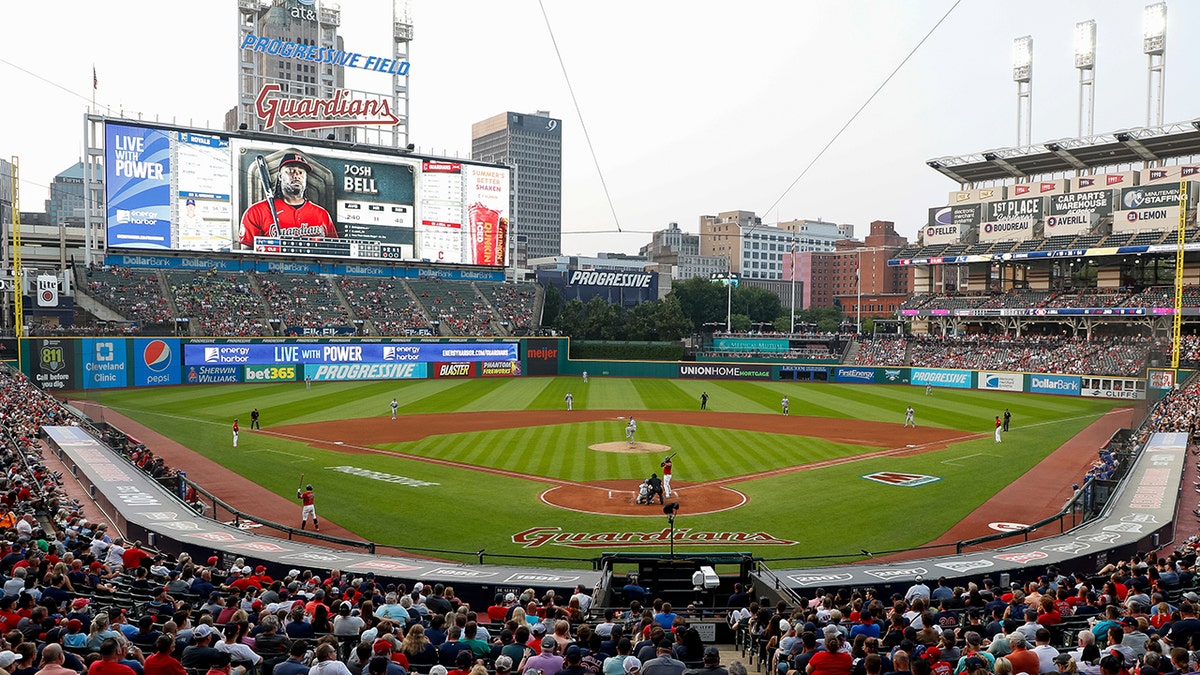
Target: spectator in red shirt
x,y
161,662
133,556
110,660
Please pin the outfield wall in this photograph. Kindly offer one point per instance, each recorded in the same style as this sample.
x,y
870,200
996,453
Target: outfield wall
x,y
70,364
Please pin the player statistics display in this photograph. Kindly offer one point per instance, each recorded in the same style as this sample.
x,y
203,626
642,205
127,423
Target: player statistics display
x,y
179,190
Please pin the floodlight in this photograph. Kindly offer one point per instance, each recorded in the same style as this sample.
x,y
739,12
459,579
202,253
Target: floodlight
x,y
1022,58
1154,28
1085,44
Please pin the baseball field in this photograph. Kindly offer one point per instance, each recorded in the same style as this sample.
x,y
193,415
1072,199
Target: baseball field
x,y
499,464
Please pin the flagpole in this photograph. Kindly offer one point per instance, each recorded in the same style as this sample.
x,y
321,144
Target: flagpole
x,y
858,281
792,327
95,84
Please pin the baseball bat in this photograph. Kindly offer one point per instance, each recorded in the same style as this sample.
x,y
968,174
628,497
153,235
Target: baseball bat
x,y
301,485
671,456
264,175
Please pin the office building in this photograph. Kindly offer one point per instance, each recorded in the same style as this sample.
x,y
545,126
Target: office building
x,y
314,24
756,251
679,252
531,145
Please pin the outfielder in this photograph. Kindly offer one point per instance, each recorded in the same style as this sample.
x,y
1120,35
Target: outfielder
x,y
395,405
785,403
630,429
306,497
570,401
908,418
666,479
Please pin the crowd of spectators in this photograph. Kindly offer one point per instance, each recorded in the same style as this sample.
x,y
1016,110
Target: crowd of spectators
x,y
1125,296
455,305
303,301
222,303
1115,356
133,294
516,304
386,304
883,350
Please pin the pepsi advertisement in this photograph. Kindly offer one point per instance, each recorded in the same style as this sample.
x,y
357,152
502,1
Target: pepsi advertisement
x,y
137,186
156,362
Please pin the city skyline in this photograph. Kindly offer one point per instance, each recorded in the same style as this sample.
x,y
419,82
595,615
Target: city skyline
x,y
687,116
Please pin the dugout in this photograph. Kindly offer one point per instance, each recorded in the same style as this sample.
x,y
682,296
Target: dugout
x,y
670,577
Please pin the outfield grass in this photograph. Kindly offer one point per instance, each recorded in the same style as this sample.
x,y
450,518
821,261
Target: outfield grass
x,y
468,511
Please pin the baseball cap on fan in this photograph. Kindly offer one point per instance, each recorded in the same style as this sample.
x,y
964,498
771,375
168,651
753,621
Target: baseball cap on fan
x,y
295,159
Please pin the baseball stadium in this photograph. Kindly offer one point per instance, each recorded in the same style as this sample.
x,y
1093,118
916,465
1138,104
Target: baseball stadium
x,y
1021,419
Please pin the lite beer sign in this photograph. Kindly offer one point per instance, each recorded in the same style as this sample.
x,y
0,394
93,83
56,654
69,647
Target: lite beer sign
x,y
305,113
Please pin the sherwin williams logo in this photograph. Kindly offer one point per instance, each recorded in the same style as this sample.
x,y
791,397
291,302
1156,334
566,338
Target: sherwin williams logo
x,y
157,356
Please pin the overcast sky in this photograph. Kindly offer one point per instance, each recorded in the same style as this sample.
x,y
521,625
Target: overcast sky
x,y
693,107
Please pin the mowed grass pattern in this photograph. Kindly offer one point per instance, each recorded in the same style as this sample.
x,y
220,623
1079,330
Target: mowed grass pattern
x,y
468,510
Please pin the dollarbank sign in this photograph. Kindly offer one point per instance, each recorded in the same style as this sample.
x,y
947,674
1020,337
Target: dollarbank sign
x,y
537,537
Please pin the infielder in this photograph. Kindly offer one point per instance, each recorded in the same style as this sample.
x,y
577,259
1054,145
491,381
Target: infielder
x,y
306,497
395,405
666,479
630,429
785,403
908,417
998,425
570,401
236,429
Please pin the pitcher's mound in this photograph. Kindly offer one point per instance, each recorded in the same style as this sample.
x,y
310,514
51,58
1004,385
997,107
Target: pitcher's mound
x,y
627,447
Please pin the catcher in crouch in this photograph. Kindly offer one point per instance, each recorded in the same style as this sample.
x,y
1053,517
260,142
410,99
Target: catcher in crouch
x,y
650,487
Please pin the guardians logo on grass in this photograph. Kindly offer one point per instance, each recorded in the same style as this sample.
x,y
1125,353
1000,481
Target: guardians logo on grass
x,y
540,536
901,479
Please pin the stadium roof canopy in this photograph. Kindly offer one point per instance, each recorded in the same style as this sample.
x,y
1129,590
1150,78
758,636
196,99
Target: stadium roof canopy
x,y
1129,146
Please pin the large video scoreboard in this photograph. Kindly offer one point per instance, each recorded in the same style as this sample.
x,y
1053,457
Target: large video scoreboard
x,y
168,188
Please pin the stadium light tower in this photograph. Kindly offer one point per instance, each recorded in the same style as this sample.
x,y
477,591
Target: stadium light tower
x,y
1085,63
1022,58
1154,45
